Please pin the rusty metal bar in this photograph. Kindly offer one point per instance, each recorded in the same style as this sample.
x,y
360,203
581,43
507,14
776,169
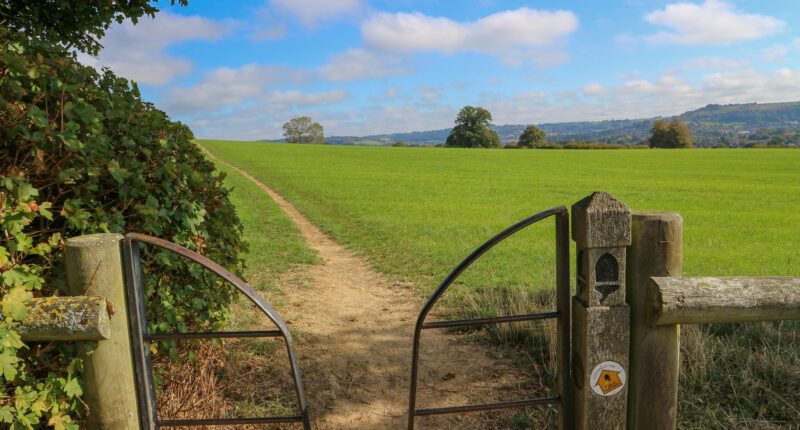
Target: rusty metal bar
x,y
490,320
134,290
562,314
144,366
563,304
214,335
488,406
229,421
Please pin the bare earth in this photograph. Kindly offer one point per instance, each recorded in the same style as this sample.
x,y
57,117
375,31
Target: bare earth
x,y
354,337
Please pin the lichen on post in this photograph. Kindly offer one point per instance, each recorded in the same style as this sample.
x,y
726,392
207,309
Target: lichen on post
x,y
65,319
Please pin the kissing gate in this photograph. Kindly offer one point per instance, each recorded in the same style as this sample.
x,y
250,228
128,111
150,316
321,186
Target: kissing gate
x,y
618,336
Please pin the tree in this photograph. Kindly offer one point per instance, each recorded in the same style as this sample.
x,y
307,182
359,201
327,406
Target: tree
x,y
532,137
472,130
302,130
674,134
399,143
75,24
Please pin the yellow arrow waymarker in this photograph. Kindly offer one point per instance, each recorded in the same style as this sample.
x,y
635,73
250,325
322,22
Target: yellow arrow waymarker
x,y
608,381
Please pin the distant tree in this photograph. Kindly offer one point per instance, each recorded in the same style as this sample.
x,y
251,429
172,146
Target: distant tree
x,y
532,137
472,130
399,143
674,134
302,130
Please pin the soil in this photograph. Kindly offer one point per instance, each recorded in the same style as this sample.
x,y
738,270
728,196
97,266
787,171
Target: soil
x,y
354,331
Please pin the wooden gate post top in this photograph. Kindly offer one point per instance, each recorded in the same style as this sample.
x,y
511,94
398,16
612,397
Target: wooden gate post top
x,y
601,229
601,221
94,239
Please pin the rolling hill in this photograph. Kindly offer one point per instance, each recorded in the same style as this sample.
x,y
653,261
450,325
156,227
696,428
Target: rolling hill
x,y
712,125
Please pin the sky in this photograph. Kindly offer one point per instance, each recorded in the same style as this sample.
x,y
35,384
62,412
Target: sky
x,y
241,69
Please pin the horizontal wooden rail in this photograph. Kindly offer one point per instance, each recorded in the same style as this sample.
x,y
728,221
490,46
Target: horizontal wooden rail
x,y
702,300
65,319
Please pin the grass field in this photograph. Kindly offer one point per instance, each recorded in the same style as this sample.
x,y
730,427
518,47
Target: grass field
x,y
415,213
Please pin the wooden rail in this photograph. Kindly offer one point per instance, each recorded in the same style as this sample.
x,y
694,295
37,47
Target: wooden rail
x,y
705,300
65,319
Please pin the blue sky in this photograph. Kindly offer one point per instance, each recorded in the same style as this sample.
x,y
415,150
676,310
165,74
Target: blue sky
x,y
240,69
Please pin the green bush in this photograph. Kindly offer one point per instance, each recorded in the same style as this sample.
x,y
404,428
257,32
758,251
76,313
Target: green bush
x,y
80,152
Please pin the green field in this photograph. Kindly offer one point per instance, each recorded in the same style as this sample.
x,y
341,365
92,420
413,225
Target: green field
x,y
417,212
414,213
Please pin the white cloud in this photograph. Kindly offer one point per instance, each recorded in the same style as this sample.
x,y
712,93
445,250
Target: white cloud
x,y
270,32
530,95
225,86
311,12
296,98
507,34
714,63
392,93
540,58
428,93
631,75
265,26
137,52
493,81
356,64
639,98
711,23
394,119
625,39
594,88
778,53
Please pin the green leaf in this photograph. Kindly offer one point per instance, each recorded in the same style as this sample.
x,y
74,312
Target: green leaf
x,y
26,191
7,365
10,339
73,388
43,210
3,256
119,174
38,116
14,303
15,277
6,414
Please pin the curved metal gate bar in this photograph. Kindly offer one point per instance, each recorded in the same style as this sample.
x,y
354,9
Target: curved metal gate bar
x,y
562,314
141,337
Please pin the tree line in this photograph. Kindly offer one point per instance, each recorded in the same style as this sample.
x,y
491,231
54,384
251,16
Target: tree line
x,y
472,130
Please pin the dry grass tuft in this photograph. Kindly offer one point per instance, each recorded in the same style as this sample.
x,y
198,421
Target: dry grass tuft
x,y
190,387
534,343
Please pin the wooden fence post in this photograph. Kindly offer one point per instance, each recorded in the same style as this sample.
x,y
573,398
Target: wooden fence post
x,y
656,250
601,228
94,268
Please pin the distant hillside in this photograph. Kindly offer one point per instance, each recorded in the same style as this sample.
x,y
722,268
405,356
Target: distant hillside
x,y
731,125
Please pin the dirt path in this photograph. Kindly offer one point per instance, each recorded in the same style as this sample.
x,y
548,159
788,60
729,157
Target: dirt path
x,y
354,346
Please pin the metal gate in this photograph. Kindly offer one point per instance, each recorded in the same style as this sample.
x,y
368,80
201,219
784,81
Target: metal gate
x,y
562,314
140,337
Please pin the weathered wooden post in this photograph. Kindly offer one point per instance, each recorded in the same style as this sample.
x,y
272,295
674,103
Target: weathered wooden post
x,y
94,268
601,229
656,250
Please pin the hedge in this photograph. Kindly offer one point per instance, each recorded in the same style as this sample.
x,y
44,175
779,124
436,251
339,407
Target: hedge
x,y
80,152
